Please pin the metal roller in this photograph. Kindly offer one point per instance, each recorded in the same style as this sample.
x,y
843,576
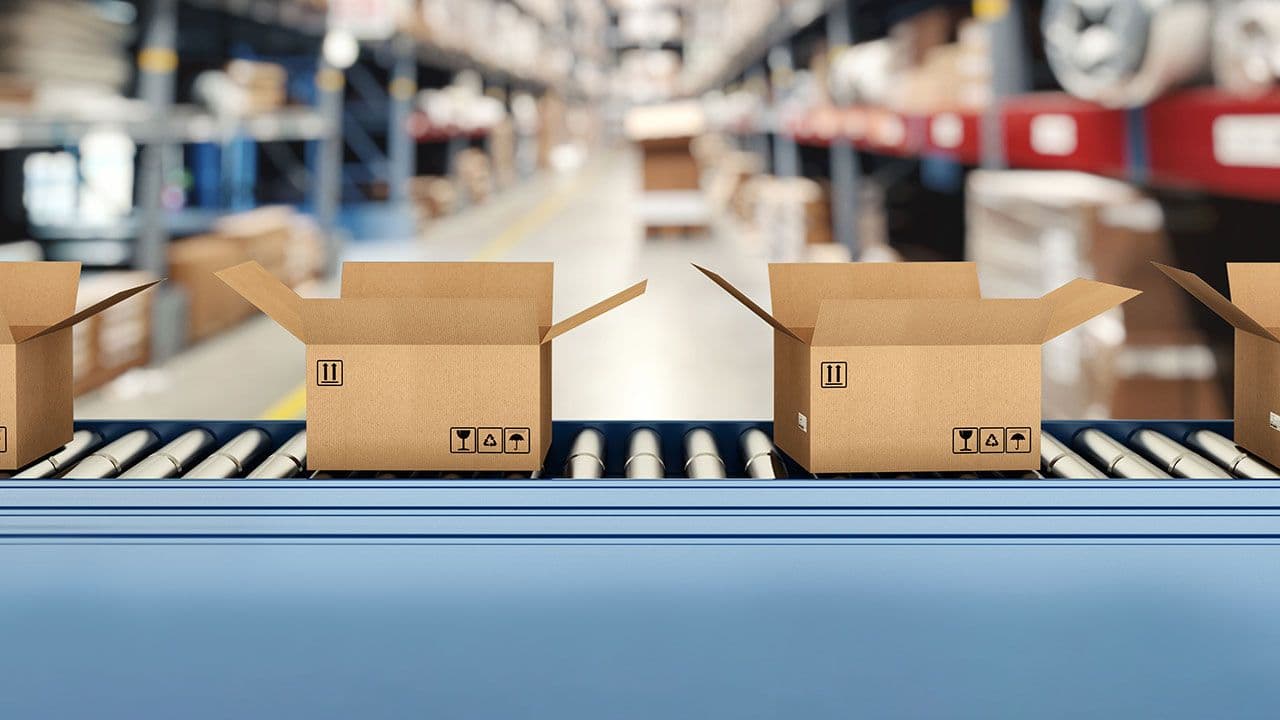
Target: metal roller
x,y
1125,53
1116,459
1172,457
703,461
1060,461
644,455
758,456
171,459
286,462
586,457
81,442
114,457
231,459
1246,46
1231,456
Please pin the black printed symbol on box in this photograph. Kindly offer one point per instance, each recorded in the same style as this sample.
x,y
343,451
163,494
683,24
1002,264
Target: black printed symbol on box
x,y
1017,440
991,440
964,440
489,439
462,440
834,374
329,373
516,441
4,439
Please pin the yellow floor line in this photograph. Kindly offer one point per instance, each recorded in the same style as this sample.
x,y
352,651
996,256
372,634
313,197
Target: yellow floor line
x,y
294,405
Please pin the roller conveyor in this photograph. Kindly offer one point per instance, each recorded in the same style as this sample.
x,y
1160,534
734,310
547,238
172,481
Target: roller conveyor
x,y
276,450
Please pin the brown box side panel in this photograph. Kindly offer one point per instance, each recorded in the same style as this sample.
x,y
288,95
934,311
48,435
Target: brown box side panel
x,y
910,409
1257,394
544,390
670,168
9,407
399,407
44,408
791,411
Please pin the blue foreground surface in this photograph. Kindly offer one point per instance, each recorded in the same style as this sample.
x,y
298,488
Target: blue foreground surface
x,y
670,598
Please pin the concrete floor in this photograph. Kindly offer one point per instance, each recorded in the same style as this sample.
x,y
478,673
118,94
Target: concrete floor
x,y
683,351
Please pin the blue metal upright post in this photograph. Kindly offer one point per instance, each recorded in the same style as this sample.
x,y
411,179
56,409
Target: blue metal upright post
x,y
845,167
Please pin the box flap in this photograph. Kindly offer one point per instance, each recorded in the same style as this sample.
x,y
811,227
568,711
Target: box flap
x,y
419,321
268,294
533,281
748,302
595,311
940,321
1254,290
1082,300
798,289
92,310
38,294
1214,300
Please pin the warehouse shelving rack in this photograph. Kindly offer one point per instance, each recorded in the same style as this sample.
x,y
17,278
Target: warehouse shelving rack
x,y
1200,140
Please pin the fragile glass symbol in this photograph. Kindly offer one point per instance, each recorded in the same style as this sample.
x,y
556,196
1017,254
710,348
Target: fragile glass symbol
x,y
463,434
965,434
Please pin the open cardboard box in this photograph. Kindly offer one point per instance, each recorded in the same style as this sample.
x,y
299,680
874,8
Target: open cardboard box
x,y
904,367
425,366
37,311
1254,311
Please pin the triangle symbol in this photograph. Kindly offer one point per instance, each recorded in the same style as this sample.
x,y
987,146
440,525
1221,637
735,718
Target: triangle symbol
x,y
489,440
991,441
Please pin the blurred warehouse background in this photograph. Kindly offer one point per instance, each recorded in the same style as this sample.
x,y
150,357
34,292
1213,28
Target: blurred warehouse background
x,y
1043,140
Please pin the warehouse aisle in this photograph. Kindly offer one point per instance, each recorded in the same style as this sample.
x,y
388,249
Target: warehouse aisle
x,y
685,350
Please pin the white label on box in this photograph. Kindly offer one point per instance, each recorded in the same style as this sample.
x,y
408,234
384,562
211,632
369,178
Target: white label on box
x,y
1247,140
1054,134
947,131
803,422
1275,421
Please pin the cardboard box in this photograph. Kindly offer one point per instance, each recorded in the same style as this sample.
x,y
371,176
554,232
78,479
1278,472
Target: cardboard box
x,y
904,367
1254,312
37,312
418,365
211,306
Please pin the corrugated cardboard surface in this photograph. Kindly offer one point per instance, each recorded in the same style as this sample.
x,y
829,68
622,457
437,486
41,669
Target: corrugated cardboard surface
x,y
37,312
903,367
1254,313
426,366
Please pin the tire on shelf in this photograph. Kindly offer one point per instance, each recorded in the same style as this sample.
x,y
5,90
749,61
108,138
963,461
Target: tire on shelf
x,y
1126,53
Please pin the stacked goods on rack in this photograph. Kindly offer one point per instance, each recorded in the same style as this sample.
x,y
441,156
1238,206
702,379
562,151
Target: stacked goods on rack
x,y
433,197
276,237
460,106
57,52
118,339
930,62
264,84
717,33
470,26
791,217
1122,53
1029,230
474,176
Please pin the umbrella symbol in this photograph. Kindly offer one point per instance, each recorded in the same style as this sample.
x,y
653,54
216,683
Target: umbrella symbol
x,y
1016,439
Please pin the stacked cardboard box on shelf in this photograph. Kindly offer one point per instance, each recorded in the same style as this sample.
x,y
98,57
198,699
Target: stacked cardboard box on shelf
x,y
474,176
276,237
114,341
433,197
1029,230
265,84
792,216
